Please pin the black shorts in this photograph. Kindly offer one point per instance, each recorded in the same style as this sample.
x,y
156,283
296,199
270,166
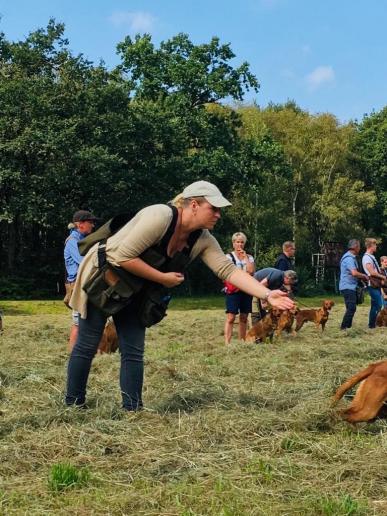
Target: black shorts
x,y
238,303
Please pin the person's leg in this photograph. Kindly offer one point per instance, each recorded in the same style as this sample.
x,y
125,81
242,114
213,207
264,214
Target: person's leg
x,y
245,307
131,339
73,331
350,305
242,326
89,336
376,305
232,303
259,314
228,327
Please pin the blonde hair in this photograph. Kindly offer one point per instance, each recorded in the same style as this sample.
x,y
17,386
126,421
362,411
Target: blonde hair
x,y
237,235
369,242
287,245
180,202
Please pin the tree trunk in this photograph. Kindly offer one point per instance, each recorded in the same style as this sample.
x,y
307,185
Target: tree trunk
x,y
11,248
294,217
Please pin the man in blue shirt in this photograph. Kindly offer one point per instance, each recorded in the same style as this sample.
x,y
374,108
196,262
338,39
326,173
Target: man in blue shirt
x,y
273,279
349,277
82,225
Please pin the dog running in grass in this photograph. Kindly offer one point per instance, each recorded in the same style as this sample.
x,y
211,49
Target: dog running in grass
x,y
371,395
381,319
318,316
264,328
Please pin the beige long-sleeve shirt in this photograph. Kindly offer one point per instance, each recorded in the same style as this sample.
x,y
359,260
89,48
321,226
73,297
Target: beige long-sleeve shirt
x,y
146,229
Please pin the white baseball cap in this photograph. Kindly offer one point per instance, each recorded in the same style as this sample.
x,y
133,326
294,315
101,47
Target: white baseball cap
x,y
210,192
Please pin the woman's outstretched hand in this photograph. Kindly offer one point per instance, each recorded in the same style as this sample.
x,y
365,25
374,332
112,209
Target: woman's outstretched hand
x,y
279,299
172,279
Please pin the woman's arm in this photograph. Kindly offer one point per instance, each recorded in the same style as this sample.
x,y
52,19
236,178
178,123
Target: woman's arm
x,y
140,268
251,286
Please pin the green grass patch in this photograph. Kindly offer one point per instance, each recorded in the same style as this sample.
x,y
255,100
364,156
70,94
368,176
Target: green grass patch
x,y
65,475
345,505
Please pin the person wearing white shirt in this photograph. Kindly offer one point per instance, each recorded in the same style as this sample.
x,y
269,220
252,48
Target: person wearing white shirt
x,y
375,280
236,300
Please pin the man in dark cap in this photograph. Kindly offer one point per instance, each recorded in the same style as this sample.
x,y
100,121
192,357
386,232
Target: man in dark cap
x,y
82,225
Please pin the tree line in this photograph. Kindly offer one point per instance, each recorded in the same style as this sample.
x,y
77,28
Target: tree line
x,y
74,134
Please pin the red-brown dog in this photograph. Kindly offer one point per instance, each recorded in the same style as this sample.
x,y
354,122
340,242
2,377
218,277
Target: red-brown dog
x,y
285,322
109,339
264,328
370,396
318,316
381,319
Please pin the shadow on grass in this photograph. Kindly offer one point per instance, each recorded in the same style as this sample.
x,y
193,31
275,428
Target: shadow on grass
x,y
219,396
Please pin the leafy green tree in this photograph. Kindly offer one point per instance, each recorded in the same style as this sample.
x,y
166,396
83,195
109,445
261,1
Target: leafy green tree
x,y
328,199
193,75
75,135
370,156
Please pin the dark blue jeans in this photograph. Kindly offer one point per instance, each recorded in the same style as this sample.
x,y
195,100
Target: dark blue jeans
x,y
350,305
131,337
376,305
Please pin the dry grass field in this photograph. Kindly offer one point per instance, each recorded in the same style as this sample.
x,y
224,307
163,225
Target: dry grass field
x,y
242,430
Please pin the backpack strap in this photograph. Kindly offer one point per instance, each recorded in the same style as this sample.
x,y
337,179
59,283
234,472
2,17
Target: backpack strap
x,y
171,228
231,255
375,262
345,257
101,253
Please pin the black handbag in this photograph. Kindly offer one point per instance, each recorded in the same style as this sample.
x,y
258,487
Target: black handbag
x,y
360,293
152,304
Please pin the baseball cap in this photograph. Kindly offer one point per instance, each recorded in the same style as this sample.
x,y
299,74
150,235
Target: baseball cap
x,y
83,215
210,192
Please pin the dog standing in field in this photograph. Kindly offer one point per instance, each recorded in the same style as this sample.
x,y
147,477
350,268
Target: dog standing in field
x,y
318,316
109,339
285,322
370,396
264,328
381,318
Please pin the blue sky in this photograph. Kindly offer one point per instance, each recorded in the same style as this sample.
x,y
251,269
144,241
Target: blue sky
x,y
327,55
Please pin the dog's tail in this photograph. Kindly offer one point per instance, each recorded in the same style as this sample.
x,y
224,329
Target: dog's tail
x,y
351,382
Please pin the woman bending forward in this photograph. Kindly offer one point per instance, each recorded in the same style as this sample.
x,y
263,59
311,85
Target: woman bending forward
x,y
198,210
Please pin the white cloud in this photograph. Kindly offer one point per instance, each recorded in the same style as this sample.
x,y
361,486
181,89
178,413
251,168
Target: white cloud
x,y
135,21
320,76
